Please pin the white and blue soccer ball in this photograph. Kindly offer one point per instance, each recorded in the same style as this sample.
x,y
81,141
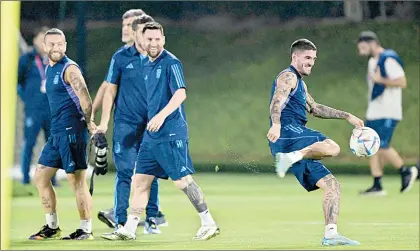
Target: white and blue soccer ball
x,y
364,142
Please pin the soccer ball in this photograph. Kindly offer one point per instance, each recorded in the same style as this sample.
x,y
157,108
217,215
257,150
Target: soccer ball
x,y
364,142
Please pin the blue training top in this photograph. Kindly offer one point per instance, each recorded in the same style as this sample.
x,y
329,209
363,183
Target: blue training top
x,y
66,113
163,77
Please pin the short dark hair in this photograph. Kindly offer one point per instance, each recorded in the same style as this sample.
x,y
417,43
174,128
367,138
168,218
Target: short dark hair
x,y
54,31
302,44
42,29
133,13
368,36
141,20
153,26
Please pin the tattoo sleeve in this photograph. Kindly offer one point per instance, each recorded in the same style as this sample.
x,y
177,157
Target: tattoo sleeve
x,y
78,84
323,111
331,199
284,85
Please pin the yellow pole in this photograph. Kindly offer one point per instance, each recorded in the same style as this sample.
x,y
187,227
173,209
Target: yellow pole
x,y
10,25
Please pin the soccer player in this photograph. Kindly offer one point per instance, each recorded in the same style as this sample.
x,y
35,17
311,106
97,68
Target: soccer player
x,y
31,89
164,150
127,132
386,79
71,108
296,146
126,90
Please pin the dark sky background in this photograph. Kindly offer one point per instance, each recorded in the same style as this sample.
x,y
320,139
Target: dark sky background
x,y
112,10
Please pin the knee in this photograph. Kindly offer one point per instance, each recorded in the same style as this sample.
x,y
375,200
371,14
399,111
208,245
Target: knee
x,y
40,179
184,182
333,148
76,183
142,184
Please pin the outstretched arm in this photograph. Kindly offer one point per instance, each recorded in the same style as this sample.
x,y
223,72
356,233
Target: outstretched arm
x,y
74,77
284,85
323,111
326,112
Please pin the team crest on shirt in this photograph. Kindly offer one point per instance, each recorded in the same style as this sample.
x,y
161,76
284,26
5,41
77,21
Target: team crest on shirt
x,y
55,81
158,71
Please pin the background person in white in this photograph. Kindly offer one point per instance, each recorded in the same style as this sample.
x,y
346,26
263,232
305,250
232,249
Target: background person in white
x,y
386,79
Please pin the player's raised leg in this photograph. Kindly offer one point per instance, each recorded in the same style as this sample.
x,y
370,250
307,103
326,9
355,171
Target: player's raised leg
x,y
318,150
331,206
300,148
42,180
80,188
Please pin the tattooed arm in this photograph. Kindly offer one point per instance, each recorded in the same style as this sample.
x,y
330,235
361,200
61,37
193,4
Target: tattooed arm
x,y
284,85
74,77
325,112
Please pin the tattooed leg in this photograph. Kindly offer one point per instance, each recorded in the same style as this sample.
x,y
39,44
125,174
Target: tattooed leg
x,y
196,196
332,192
46,191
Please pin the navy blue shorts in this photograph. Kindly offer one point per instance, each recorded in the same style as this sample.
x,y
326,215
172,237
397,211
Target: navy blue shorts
x,y
66,151
294,137
165,159
385,129
126,143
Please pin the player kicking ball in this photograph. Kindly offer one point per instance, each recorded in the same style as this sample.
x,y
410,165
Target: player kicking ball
x,y
299,148
164,150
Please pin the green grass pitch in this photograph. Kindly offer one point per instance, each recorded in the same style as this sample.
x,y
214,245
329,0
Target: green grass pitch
x,y
254,211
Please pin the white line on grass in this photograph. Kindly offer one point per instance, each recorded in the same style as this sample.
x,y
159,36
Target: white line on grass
x,y
352,223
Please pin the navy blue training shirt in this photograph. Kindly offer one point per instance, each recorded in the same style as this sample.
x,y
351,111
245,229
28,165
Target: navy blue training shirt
x,y
163,77
125,70
294,109
66,112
